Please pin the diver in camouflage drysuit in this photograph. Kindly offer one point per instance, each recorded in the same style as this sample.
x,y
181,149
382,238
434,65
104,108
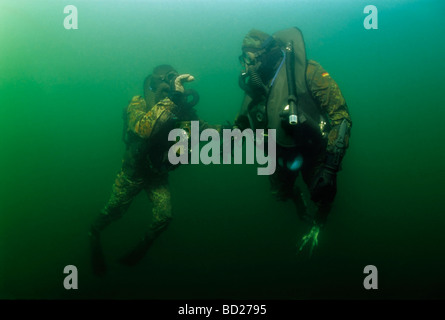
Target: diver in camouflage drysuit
x,y
145,165
317,155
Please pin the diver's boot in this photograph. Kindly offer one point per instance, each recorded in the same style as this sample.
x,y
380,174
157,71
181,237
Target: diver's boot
x,y
135,256
97,256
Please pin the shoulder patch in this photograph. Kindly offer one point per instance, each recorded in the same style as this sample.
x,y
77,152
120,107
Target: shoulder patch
x,y
325,74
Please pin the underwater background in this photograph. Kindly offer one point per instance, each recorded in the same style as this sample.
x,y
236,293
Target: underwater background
x,y
62,93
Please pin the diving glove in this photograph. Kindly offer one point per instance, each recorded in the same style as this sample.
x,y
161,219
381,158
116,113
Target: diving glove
x,y
179,81
324,186
311,238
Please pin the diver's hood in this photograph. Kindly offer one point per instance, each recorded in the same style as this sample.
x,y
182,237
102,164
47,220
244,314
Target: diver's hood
x,y
158,84
151,94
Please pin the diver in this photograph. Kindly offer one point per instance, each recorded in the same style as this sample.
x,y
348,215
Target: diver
x,y
147,121
298,98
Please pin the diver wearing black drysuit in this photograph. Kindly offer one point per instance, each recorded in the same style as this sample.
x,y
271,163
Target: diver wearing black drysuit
x,y
299,99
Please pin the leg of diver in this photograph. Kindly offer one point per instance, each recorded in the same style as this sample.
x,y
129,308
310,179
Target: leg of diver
x,y
282,183
123,192
310,239
301,206
159,193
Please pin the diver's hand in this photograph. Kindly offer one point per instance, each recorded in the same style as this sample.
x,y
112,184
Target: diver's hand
x,y
324,186
180,80
311,239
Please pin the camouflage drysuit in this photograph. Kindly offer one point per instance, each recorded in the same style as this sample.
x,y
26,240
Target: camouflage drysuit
x,y
145,165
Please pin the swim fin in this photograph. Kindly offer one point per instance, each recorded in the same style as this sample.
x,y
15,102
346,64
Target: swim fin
x,y
135,256
97,256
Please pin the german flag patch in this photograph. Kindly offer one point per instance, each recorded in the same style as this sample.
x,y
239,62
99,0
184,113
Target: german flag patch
x,y
324,74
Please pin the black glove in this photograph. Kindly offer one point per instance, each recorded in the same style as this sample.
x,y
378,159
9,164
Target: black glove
x,y
177,97
324,186
184,100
